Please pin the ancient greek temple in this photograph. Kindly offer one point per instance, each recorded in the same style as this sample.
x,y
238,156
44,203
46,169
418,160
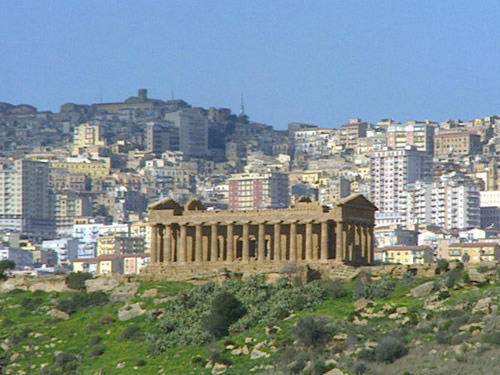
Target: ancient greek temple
x,y
307,232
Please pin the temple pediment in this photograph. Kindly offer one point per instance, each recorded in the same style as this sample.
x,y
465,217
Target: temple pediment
x,y
356,200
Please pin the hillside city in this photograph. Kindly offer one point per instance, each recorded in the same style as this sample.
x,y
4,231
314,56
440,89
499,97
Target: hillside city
x,y
75,185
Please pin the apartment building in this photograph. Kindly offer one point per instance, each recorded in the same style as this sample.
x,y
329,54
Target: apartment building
x,y
390,173
249,191
452,202
24,197
474,252
457,143
414,133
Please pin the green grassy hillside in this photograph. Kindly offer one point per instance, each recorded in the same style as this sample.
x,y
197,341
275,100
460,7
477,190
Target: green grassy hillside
x,y
440,325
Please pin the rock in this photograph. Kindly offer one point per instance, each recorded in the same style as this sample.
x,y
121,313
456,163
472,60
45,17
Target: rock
x,y
153,292
58,314
248,340
14,356
340,337
245,350
402,310
128,312
394,316
124,292
219,368
476,277
423,289
335,371
362,303
103,283
236,351
209,364
4,347
229,347
120,365
160,301
483,305
256,353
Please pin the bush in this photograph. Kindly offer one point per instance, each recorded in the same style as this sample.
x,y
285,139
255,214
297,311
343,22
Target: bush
x,y
389,349
366,355
359,368
443,295
76,280
454,277
492,338
312,331
226,309
335,289
442,266
318,367
132,332
30,304
366,288
66,361
82,300
94,340
141,363
96,351
106,320
5,265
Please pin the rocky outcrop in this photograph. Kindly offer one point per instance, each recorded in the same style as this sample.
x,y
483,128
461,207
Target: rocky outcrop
x,y
422,289
44,283
128,312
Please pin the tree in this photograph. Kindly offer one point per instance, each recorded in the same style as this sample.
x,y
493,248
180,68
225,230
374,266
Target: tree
x,y
226,309
5,265
313,331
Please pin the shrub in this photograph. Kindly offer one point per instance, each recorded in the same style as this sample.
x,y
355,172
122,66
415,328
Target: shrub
x,y
66,361
48,371
225,310
312,331
106,320
454,277
366,355
82,300
443,295
359,368
389,349
335,288
5,265
132,332
97,351
76,280
141,363
30,304
318,367
365,288
492,338
198,361
442,266
94,340
483,269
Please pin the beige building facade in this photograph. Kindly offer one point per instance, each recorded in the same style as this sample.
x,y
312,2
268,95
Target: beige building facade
x,y
308,232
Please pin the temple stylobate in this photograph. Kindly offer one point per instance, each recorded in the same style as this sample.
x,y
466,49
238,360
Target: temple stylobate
x,y
307,232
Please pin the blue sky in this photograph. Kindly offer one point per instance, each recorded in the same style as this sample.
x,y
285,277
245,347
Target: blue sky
x,y
319,62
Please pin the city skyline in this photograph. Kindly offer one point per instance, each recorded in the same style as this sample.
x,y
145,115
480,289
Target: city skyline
x,y
320,64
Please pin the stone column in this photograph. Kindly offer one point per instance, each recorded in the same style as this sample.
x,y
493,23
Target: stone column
x,y
246,244
339,241
182,244
167,244
369,250
198,253
229,243
293,241
351,240
154,244
324,241
277,241
309,241
261,243
213,243
364,241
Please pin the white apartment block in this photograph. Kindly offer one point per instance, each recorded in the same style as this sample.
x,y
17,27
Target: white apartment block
x,y
24,197
452,202
390,173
